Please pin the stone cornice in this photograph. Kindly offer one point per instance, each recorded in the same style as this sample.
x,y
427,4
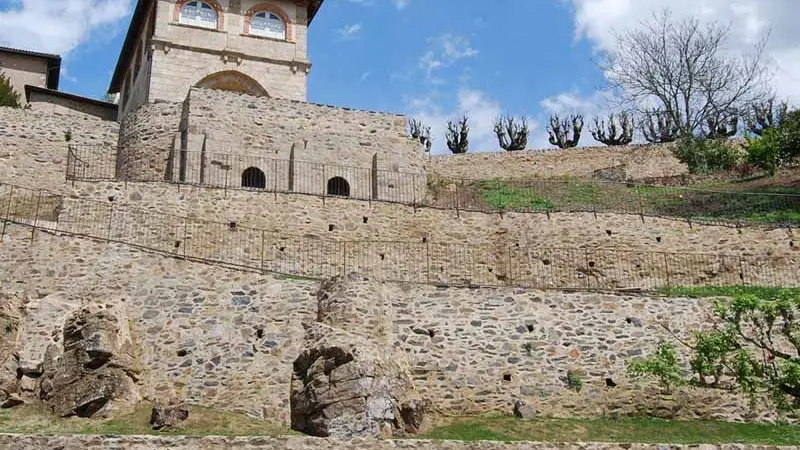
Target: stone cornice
x,y
230,55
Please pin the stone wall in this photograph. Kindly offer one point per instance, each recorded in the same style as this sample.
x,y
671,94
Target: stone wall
x,y
78,442
59,102
33,145
227,339
639,162
146,139
350,220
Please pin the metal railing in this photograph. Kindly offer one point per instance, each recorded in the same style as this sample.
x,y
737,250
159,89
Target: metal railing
x,y
265,174
232,245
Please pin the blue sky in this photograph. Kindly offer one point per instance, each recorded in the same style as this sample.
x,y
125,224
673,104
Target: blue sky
x,y
433,59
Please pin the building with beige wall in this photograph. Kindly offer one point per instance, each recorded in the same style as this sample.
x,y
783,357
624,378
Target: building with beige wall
x,y
25,67
258,47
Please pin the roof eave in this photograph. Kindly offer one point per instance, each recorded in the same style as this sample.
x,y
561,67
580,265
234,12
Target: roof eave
x,y
137,20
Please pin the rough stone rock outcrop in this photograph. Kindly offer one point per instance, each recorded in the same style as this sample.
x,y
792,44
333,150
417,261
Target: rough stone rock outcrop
x,y
348,384
94,373
10,305
168,416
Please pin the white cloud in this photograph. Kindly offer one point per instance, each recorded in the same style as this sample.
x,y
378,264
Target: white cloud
x,y
599,20
57,26
349,31
445,51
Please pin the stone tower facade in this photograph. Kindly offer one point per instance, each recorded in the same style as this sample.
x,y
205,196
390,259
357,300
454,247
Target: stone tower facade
x,y
258,47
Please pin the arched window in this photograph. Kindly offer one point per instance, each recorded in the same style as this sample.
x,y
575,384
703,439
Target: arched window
x,y
338,186
267,24
199,14
253,177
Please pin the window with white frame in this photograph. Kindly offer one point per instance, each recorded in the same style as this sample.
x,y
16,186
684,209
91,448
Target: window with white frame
x,y
199,14
268,25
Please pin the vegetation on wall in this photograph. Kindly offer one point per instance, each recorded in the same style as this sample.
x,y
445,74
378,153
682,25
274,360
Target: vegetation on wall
x,y
512,134
559,130
753,347
618,131
420,132
458,135
8,96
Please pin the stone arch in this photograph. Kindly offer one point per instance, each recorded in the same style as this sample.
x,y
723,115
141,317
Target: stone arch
x,y
338,186
253,177
234,81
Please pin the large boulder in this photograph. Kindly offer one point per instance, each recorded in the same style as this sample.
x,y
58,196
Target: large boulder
x,y
94,372
169,416
348,381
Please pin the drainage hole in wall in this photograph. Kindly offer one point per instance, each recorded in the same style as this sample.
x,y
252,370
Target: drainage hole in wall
x,y
331,227
365,219
507,377
610,383
259,333
182,352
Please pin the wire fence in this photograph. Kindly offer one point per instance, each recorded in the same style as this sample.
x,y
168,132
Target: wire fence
x,y
230,171
232,245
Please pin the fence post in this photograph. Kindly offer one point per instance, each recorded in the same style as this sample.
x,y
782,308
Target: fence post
x,y
324,186
262,250
66,174
227,171
457,199
185,235
586,261
428,261
641,204
36,216
741,270
344,258
7,215
275,179
110,218
666,270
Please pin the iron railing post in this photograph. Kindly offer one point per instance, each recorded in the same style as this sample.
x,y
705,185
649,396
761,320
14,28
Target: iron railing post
x,y
7,215
263,239
36,215
110,219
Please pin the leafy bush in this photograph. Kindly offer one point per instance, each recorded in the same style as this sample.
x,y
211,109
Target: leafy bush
x,y
706,155
8,96
765,151
790,137
662,365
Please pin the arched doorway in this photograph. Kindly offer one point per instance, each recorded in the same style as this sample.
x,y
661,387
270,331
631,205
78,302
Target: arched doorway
x,y
253,177
338,186
231,80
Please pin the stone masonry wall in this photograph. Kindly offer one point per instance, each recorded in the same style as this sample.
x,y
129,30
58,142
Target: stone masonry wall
x,y
78,442
33,146
640,162
227,339
146,139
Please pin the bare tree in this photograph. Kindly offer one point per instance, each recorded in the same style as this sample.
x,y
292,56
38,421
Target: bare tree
x,y
765,115
682,68
658,127
721,125
418,131
559,129
512,135
616,132
458,135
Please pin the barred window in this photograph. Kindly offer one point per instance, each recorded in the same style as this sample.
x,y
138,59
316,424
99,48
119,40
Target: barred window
x,y
268,25
200,14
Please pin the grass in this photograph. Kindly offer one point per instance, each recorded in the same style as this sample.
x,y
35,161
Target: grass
x,y
630,430
35,419
576,196
723,291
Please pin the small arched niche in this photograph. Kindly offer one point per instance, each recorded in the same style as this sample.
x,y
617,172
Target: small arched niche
x,y
253,177
338,186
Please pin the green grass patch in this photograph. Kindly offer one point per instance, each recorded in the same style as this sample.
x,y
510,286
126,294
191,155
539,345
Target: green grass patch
x,y
575,195
629,430
202,421
723,291
500,195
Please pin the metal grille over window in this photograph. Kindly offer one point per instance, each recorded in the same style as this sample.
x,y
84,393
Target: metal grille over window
x,y
268,25
199,14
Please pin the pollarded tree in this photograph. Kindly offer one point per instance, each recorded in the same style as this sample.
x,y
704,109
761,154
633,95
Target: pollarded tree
x,y
616,132
764,115
420,132
658,127
512,134
559,130
754,346
8,96
458,135
721,125
682,68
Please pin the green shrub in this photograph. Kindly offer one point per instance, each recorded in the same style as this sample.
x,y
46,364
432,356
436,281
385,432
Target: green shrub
x,y
706,155
765,151
662,365
8,96
789,130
